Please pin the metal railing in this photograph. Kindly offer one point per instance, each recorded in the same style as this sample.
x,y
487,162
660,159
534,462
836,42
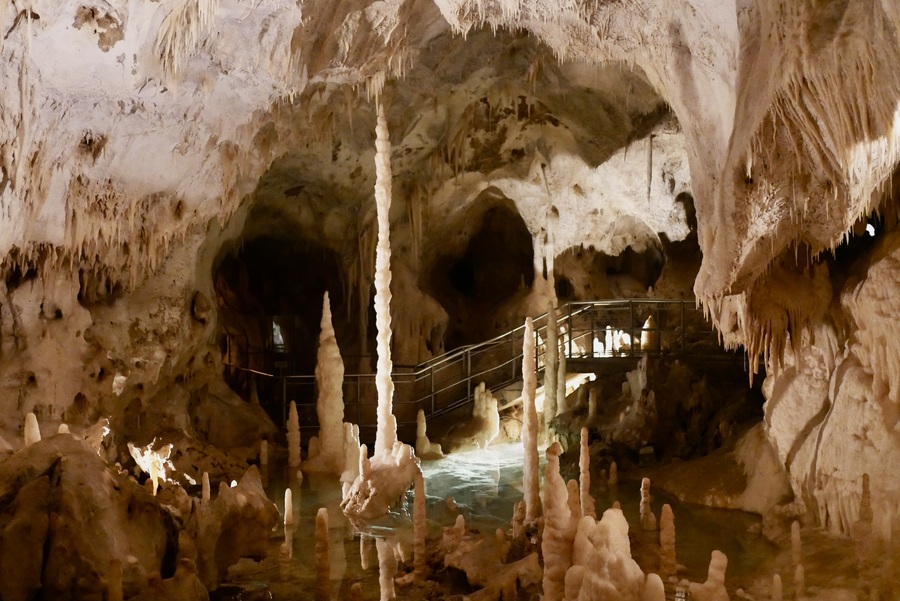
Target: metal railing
x,y
591,331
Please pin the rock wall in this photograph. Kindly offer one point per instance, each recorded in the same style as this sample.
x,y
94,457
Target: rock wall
x,y
832,410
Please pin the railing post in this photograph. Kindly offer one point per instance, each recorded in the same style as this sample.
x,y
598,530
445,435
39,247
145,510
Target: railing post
x,y
468,375
593,333
631,326
512,353
571,329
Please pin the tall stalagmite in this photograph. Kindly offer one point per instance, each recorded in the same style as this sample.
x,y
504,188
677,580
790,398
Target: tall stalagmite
x,y
386,434
530,426
551,366
584,468
323,557
330,402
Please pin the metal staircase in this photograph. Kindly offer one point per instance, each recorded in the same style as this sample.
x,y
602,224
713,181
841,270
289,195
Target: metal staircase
x,y
594,333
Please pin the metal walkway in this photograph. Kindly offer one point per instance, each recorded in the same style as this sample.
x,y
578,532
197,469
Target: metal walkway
x,y
594,333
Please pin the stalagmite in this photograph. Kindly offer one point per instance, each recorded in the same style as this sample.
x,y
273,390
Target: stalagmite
x,y
648,519
387,568
351,457
32,430
714,587
777,594
293,437
485,416
386,434
264,453
63,429
419,528
654,590
518,520
323,557
154,478
562,402
329,455
114,581
425,449
394,464
796,544
667,558
204,488
288,507
559,527
584,470
551,366
613,473
529,427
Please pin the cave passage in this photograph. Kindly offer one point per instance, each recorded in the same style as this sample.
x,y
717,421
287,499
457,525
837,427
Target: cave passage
x,y
477,282
269,294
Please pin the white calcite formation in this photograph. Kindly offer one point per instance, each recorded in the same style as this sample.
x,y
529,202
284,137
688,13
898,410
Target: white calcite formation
x,y
485,416
425,449
32,429
667,556
560,523
530,427
602,566
714,587
551,366
323,557
648,518
584,476
394,464
329,456
293,439
779,119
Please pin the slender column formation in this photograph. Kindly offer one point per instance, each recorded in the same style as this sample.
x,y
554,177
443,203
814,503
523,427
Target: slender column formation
x,y
551,366
323,557
293,436
330,402
668,563
529,428
386,434
584,473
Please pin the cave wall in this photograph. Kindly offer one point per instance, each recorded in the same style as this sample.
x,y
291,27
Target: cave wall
x,y
832,409
135,135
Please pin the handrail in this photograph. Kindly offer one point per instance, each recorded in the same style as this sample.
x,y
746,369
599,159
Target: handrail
x,y
447,381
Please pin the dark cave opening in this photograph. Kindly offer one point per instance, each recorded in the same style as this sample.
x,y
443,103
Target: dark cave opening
x,y
269,293
484,272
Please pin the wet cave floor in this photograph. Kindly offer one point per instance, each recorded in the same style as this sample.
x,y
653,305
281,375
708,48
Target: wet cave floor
x,y
485,485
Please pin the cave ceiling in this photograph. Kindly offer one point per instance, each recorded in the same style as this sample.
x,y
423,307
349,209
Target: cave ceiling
x,y
130,126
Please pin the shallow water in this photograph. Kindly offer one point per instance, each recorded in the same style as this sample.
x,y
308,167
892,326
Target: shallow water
x,y
485,485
